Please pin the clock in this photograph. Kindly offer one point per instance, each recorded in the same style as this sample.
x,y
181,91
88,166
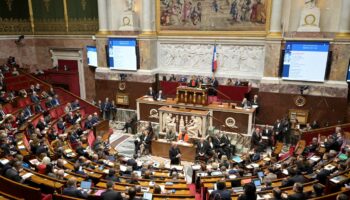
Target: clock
x,y
300,101
310,19
126,21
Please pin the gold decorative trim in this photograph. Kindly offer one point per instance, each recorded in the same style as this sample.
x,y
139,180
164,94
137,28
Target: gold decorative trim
x,y
65,14
342,35
214,33
15,26
31,15
274,35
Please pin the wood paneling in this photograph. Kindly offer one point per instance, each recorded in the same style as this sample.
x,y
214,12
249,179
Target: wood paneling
x,y
107,88
322,109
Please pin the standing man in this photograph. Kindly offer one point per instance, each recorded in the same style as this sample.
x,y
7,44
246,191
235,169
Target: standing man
x,y
106,108
174,154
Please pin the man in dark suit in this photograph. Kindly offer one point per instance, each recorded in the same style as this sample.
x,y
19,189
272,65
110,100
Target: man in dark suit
x,y
221,192
295,177
75,104
41,125
13,172
277,128
48,103
27,112
110,194
71,189
55,102
267,132
298,193
225,144
88,123
217,144
257,139
38,108
95,119
61,124
106,108
174,154
111,176
214,86
35,98
202,150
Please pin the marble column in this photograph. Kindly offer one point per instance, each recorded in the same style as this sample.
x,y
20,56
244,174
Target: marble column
x,y
102,15
276,16
147,19
344,21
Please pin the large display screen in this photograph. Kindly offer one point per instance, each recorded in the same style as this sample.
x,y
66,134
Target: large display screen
x,y
305,61
122,54
91,55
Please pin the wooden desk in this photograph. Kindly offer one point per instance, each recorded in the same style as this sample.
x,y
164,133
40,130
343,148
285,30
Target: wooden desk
x,y
102,129
190,95
161,148
241,120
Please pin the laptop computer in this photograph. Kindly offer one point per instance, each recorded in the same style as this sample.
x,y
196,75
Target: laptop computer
x,y
257,182
85,185
147,196
261,174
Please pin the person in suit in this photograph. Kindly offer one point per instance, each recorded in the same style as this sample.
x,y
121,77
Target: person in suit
x,y
217,144
170,135
61,124
202,150
159,96
267,132
225,144
70,118
256,140
35,98
277,128
51,92
214,86
38,108
221,192
72,190
277,194
98,144
111,176
106,108
295,177
20,119
174,154
55,102
41,125
88,123
27,112
150,92
132,194
245,103
298,194
145,143
110,194
113,111
95,119
13,172
75,104
48,103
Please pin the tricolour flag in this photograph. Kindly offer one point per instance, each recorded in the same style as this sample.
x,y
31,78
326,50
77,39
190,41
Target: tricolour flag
x,y
214,62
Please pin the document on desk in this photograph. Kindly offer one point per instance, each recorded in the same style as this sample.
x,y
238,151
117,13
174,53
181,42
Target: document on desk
x,y
338,179
26,175
21,147
4,161
34,162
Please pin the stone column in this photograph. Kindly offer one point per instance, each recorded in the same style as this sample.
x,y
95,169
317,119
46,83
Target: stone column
x,y
344,20
276,17
102,15
147,11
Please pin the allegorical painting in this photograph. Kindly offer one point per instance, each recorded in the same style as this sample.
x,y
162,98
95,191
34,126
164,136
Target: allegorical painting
x,y
213,15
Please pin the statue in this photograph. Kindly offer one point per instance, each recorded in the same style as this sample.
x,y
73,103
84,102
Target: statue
x,y
130,5
194,127
310,17
169,122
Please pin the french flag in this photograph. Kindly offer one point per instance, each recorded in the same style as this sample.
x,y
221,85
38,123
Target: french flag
x,y
214,62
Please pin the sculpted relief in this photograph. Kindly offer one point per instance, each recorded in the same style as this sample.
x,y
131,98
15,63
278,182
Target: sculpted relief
x,y
233,60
